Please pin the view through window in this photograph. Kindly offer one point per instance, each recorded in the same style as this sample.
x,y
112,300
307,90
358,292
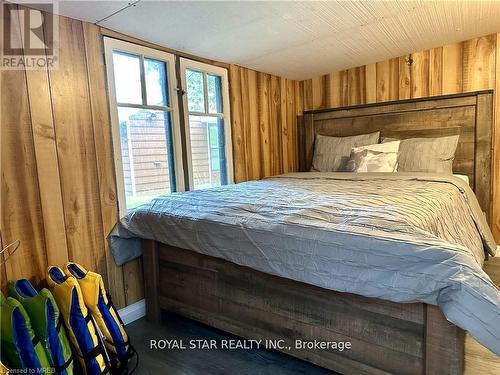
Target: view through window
x,y
140,90
146,123
206,128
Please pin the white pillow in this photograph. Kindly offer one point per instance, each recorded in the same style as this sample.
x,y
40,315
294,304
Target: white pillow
x,y
463,177
380,157
380,147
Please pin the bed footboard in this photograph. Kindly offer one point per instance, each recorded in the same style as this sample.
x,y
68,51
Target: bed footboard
x,y
385,337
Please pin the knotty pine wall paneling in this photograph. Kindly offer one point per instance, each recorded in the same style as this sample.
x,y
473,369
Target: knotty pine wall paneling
x,y
58,182
57,185
20,193
460,67
264,123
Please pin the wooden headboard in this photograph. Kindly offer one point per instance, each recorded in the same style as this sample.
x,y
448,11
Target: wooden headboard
x,y
469,115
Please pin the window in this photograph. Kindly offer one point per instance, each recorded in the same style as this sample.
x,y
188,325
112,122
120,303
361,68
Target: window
x,y
146,123
144,115
208,133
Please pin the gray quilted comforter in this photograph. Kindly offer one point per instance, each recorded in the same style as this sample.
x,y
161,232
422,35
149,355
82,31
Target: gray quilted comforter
x,y
394,236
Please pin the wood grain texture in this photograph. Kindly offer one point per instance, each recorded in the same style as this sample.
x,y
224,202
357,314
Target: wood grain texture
x,y
47,163
444,344
467,115
357,85
436,71
58,181
479,63
405,77
339,89
387,78
75,143
133,281
237,133
452,68
101,125
264,112
151,279
455,68
478,359
386,337
21,207
484,145
495,215
419,73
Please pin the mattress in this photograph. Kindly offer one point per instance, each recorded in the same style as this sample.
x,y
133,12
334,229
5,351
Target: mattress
x,y
396,236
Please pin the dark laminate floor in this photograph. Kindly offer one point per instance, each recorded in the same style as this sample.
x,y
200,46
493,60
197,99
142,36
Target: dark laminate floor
x,y
206,362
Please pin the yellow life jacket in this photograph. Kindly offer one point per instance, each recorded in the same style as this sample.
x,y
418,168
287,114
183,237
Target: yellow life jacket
x,y
78,321
3,370
105,315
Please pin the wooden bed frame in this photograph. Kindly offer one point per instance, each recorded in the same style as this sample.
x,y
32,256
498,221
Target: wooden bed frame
x,y
386,337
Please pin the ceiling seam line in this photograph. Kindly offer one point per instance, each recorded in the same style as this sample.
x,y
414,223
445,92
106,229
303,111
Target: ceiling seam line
x,y
116,12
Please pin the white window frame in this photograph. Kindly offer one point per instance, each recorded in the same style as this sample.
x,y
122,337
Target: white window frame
x,y
226,112
110,45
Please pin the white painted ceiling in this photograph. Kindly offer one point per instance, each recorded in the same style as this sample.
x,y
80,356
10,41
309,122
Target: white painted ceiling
x,y
299,39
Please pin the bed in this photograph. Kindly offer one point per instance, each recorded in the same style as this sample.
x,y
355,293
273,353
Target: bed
x,y
269,260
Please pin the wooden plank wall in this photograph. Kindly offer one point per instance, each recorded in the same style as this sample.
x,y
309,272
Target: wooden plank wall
x,y
264,123
461,67
55,124
57,183
58,188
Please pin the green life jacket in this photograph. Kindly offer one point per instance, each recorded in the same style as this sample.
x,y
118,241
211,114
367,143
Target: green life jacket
x,y
46,322
20,348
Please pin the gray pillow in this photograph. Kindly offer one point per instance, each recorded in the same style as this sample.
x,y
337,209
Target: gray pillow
x,y
431,155
332,153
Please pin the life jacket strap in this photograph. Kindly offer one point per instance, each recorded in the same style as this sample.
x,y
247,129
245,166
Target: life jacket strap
x,y
110,306
96,351
131,352
64,366
35,341
118,344
88,318
59,325
123,368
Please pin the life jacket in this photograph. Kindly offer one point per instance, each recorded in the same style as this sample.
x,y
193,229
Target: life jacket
x,y
46,323
106,317
20,348
3,370
78,321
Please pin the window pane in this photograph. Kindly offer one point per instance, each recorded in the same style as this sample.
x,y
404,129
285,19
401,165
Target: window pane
x,y
127,69
214,84
147,158
195,91
156,82
207,151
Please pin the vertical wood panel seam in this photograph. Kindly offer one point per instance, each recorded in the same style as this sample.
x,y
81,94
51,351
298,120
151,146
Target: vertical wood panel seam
x,y
102,240
49,83
42,223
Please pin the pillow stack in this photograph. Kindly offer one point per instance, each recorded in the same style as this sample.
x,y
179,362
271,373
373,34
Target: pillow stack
x,y
363,153
331,154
